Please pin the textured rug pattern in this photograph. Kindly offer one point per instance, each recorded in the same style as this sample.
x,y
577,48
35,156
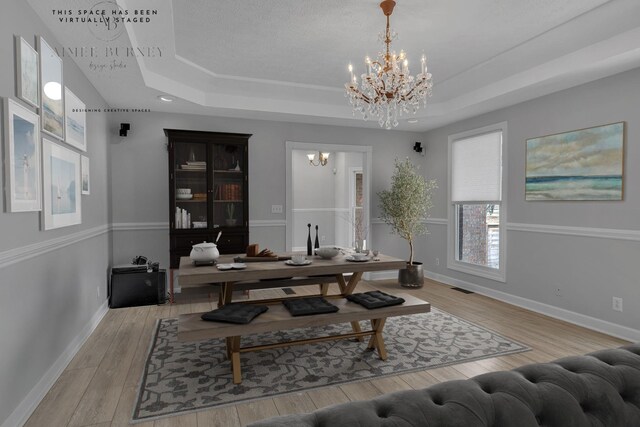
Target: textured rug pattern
x,y
183,377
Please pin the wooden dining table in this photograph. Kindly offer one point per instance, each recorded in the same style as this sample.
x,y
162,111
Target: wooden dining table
x,y
274,274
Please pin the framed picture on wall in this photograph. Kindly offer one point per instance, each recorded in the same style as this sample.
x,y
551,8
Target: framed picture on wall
x,y
75,121
86,178
22,158
51,90
584,164
27,65
61,178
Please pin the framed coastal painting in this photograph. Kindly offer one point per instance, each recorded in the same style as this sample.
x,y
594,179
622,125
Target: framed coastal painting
x,y
585,164
75,121
27,73
86,177
51,90
22,158
61,178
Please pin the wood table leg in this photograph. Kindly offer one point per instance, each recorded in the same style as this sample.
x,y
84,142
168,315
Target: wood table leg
x,y
226,290
324,289
170,286
356,328
341,283
378,341
372,340
235,360
353,282
220,295
229,346
347,289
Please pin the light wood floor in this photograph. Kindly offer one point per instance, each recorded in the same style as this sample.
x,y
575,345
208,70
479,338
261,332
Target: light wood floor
x,y
98,387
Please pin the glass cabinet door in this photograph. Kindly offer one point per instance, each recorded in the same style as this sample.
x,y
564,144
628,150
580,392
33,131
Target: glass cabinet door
x,y
190,192
228,185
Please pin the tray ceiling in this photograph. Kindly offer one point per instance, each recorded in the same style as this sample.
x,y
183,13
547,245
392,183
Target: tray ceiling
x,y
286,59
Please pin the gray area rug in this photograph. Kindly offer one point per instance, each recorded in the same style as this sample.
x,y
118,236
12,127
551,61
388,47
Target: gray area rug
x,y
185,377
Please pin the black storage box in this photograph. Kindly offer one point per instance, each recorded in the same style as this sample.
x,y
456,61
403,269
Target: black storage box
x,y
132,286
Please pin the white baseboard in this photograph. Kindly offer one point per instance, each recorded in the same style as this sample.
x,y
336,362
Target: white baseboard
x,y
589,322
24,410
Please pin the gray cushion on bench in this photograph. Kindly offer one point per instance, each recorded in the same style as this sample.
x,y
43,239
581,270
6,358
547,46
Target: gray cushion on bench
x,y
306,306
375,299
235,313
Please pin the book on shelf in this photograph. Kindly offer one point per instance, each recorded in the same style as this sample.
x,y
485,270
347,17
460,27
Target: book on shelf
x,y
228,192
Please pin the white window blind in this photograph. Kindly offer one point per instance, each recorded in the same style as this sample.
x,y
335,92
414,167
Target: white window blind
x,y
476,171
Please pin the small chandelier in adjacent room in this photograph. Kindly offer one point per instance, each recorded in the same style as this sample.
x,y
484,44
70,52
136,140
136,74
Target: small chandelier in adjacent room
x,y
387,89
323,158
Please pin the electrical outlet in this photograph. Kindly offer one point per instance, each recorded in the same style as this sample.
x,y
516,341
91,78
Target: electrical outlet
x,y
276,209
322,238
558,292
617,304
437,261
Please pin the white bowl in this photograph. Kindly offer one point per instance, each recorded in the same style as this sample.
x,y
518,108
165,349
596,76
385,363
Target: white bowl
x,y
183,191
327,252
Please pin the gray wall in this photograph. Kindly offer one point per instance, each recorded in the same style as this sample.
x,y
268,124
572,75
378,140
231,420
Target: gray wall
x,y
140,182
49,279
559,245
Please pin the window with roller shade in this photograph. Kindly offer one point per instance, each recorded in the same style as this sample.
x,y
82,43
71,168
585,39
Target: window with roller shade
x,y
476,202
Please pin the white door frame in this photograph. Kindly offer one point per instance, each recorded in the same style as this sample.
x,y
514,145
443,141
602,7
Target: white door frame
x,y
315,147
352,200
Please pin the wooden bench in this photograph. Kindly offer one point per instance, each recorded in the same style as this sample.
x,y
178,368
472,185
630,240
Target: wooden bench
x,y
192,328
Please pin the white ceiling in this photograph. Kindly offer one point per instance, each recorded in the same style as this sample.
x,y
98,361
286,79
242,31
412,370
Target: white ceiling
x,y
286,59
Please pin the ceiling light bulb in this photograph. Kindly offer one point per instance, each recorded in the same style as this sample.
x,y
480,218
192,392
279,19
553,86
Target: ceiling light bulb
x,y
165,98
53,90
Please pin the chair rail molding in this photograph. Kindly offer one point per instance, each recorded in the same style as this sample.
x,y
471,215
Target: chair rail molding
x,y
437,221
603,233
141,226
136,226
267,223
23,253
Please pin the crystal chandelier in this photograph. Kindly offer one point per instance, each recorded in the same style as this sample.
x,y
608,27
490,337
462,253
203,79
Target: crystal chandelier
x,y
387,89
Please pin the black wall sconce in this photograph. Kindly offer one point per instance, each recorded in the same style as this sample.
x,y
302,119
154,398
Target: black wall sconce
x,y
124,128
418,148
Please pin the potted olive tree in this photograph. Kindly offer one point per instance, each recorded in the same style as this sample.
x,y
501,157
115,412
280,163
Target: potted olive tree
x,y
404,207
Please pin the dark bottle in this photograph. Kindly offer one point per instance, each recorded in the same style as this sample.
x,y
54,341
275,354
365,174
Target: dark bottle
x,y
317,243
309,248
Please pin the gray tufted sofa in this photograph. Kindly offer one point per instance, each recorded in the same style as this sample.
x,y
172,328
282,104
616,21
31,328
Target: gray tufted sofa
x,y
599,389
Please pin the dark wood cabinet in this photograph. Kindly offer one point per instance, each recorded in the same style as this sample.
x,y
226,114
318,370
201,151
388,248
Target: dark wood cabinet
x,y
208,191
